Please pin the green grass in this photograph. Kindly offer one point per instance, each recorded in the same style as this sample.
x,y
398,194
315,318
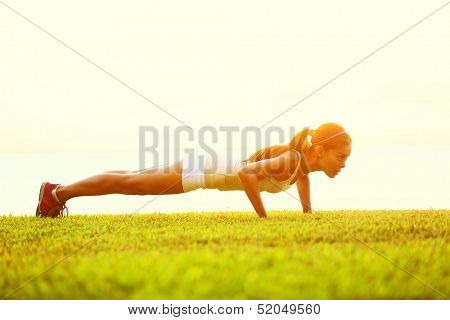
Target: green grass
x,y
228,255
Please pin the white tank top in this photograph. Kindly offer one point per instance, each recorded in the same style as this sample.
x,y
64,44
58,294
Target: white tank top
x,y
224,176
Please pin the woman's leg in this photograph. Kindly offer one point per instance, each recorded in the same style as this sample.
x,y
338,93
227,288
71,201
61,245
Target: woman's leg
x,y
165,179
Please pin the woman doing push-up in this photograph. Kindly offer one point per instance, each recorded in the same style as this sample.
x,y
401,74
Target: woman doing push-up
x,y
272,169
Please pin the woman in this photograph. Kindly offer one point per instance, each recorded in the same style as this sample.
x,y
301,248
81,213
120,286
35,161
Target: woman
x,y
272,169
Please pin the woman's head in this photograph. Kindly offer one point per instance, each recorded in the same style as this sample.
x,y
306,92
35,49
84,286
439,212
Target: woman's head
x,y
325,148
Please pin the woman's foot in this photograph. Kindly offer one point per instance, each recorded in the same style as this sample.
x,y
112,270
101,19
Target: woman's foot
x,y
49,204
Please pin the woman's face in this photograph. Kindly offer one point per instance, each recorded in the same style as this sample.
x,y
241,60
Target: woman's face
x,y
333,160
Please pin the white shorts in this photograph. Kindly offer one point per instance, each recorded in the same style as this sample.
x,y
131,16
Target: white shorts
x,y
193,175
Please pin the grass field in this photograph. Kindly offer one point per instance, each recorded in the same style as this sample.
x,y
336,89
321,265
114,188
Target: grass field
x,y
228,255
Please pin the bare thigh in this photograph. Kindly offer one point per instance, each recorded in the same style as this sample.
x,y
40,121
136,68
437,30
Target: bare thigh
x,y
166,179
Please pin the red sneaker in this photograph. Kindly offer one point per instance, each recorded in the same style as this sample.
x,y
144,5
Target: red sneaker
x,y
48,205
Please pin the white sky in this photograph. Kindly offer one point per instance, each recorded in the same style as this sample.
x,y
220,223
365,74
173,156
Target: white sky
x,y
221,63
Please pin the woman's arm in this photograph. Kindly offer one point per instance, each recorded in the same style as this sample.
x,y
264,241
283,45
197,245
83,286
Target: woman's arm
x,y
253,172
251,187
304,193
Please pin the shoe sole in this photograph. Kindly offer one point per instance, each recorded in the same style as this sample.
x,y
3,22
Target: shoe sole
x,y
41,194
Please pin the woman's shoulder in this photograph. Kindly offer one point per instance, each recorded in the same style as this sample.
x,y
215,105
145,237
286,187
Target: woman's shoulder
x,y
292,155
293,160
286,164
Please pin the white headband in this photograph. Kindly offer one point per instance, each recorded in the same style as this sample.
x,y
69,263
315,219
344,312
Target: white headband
x,y
329,137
